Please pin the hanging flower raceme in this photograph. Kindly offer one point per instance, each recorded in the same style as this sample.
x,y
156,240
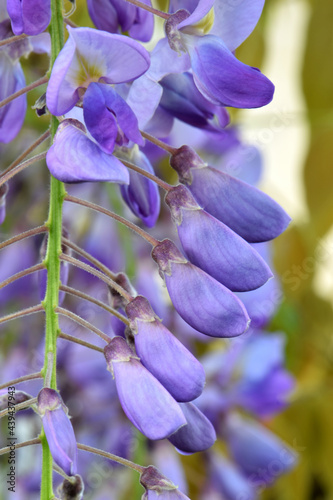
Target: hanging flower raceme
x,y
58,430
30,17
112,15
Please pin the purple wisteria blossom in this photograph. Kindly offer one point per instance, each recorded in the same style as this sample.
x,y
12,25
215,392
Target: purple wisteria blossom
x,y
201,301
92,56
199,433
245,209
163,354
31,17
115,15
260,454
147,404
212,246
74,157
12,115
219,76
58,430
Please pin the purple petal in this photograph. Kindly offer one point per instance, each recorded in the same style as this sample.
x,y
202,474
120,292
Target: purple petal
x,y
12,115
182,100
58,430
73,157
223,79
106,115
142,194
200,300
89,56
29,16
213,247
229,481
143,26
235,21
260,454
163,354
143,98
197,435
106,14
147,404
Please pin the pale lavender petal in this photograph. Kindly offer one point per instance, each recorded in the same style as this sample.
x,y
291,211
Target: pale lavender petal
x,y
143,107
89,56
147,404
198,435
212,246
163,354
73,157
235,21
201,301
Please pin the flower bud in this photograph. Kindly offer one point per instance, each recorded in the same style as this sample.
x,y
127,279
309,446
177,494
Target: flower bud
x,y
159,487
198,435
147,404
213,247
201,301
245,209
58,430
163,354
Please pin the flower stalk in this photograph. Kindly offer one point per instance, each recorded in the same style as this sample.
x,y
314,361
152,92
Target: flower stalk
x,y
52,260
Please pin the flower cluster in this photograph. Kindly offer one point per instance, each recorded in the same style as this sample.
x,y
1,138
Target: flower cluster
x,y
106,94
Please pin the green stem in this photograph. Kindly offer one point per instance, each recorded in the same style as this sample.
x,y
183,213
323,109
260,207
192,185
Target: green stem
x,y
52,261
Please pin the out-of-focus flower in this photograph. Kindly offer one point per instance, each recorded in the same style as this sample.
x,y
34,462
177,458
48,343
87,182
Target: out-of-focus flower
x,y
31,17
